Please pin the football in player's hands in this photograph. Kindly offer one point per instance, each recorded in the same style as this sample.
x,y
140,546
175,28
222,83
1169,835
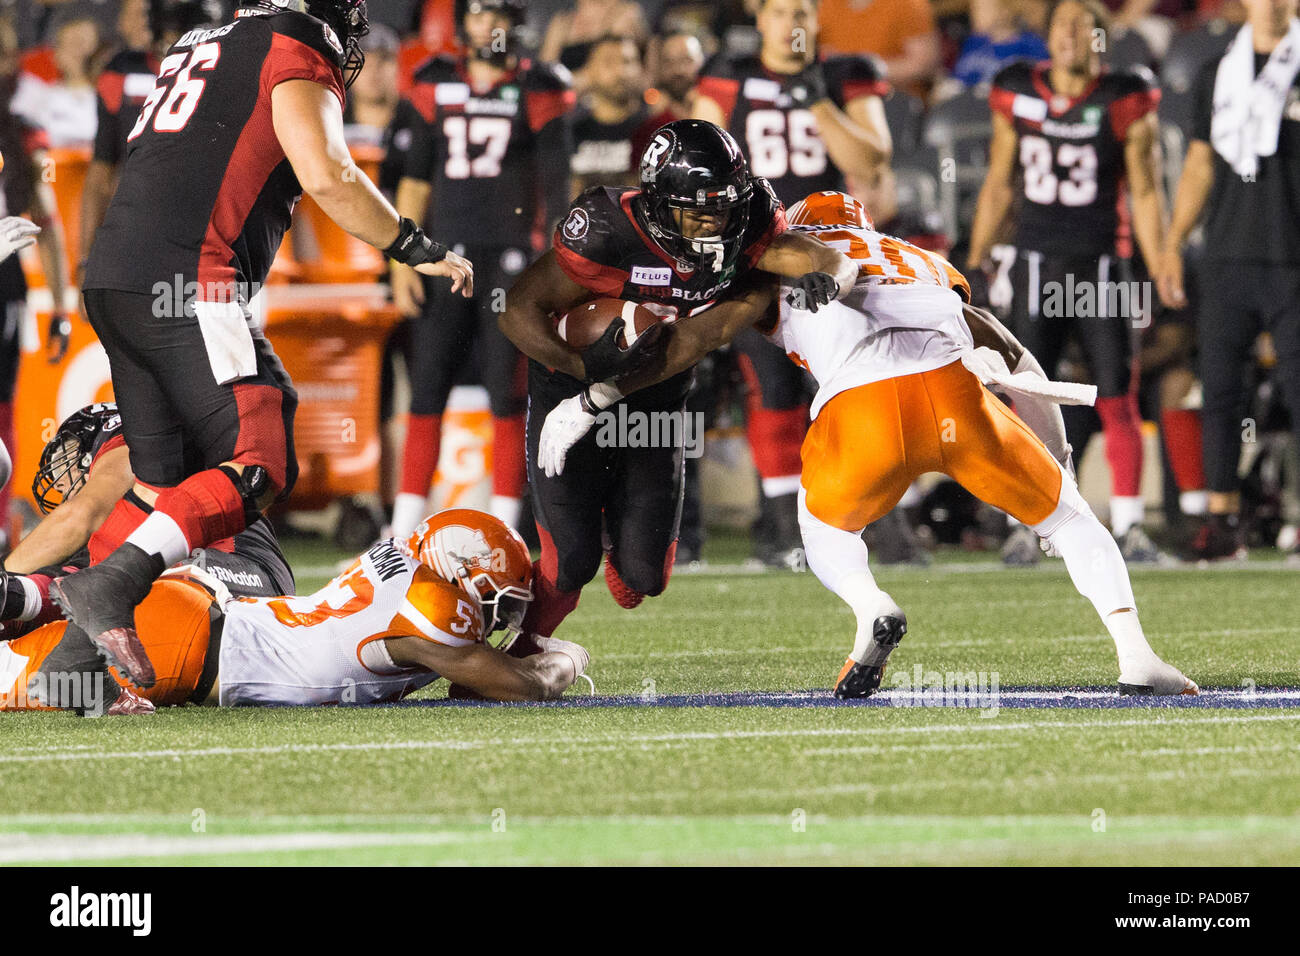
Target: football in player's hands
x,y
616,337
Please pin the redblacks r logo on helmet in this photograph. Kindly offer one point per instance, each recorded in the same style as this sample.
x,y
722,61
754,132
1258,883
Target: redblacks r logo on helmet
x,y
656,154
575,227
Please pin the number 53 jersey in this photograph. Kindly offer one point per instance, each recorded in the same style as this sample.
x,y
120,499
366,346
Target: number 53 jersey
x,y
1070,157
328,647
206,191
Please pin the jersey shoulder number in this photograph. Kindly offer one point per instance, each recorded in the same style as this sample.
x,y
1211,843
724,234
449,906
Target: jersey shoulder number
x,y
437,611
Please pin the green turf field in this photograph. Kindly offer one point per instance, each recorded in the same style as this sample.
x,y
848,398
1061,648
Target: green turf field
x,y
648,783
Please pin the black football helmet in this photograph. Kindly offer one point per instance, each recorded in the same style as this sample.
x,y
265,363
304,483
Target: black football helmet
x,y
510,47
65,461
692,165
347,18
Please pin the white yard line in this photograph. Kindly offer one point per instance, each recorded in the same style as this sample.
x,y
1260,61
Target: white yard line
x,y
43,848
975,726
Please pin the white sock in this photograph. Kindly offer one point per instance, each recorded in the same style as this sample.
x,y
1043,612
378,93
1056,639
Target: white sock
x,y
1194,502
1091,555
781,485
1125,512
1130,643
408,511
506,508
160,534
839,559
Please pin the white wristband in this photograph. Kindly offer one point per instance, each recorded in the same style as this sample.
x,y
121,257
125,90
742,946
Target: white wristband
x,y
603,394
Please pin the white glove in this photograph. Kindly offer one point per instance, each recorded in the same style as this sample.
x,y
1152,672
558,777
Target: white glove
x,y
575,652
16,233
563,428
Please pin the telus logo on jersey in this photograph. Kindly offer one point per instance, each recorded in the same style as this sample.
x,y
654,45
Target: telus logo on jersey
x,y
646,275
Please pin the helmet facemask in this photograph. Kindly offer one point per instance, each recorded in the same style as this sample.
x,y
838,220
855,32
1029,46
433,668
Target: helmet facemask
x,y
63,470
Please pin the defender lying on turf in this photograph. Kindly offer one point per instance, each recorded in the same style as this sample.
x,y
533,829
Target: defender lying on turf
x,y
401,616
900,395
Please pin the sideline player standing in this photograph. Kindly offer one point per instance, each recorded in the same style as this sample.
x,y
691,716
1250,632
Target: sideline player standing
x,y
805,124
242,118
1077,138
679,244
489,144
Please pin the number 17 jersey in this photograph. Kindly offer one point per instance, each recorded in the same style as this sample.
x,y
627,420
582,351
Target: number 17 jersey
x,y
1070,158
206,192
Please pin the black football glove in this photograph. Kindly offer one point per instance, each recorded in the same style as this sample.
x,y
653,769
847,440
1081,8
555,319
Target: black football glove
x,y
810,87
812,290
978,280
57,338
605,358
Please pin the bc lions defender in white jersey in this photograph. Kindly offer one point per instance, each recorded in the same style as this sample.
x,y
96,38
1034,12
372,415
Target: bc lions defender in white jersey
x,y
401,616
902,393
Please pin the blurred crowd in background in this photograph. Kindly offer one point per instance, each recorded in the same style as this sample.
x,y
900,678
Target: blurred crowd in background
x,y
65,66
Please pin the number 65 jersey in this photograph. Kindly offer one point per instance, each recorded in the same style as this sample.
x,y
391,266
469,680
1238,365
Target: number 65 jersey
x,y
328,647
206,191
1070,158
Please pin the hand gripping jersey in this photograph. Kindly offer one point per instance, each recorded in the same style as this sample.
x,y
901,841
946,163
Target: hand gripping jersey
x,y
1070,158
206,192
495,157
327,647
904,315
766,115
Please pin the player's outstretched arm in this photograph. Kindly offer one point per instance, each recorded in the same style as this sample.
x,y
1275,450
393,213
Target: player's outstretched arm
x,y
997,193
308,121
491,672
67,529
802,258
1142,166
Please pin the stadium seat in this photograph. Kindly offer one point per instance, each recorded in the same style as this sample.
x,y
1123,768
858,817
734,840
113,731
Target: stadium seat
x,y
905,115
959,130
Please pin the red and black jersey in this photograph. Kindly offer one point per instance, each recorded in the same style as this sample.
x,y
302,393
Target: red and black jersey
x,y
206,192
603,245
1070,157
779,136
122,87
497,159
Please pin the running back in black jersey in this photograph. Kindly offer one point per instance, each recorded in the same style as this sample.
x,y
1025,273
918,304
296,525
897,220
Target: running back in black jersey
x,y
603,245
497,160
206,192
124,84
765,113
1070,158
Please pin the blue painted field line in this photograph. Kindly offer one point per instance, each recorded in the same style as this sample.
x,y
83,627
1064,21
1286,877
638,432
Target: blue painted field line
x,y
1027,698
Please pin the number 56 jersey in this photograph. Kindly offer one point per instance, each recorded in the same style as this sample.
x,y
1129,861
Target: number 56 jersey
x,y
206,191
1070,157
328,647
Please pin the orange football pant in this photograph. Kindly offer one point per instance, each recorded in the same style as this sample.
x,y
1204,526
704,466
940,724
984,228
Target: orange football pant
x,y
869,443
174,624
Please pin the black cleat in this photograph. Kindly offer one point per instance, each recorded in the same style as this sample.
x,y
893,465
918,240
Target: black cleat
x,y
863,680
101,600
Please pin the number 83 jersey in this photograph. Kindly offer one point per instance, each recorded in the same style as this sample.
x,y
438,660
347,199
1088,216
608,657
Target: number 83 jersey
x,y
206,192
1070,157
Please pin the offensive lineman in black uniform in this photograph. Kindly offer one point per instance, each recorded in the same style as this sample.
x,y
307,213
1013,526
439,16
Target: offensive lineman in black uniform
x,y
805,124
242,118
682,242
489,145
1069,140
